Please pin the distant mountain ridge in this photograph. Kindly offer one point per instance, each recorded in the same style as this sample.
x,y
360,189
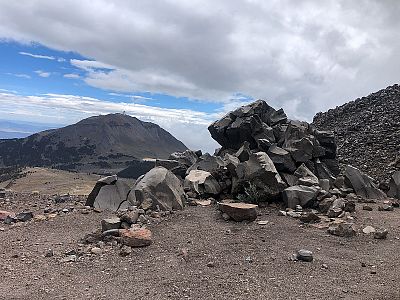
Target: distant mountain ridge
x,y
105,141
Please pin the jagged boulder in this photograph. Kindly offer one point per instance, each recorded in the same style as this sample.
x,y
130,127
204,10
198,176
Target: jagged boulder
x,y
208,163
137,168
394,185
300,195
305,176
260,171
187,157
158,189
202,182
109,193
362,184
282,159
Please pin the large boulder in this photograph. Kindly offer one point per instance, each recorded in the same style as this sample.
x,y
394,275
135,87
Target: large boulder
x,y
247,123
362,184
305,176
109,193
239,211
282,159
300,195
260,171
208,163
202,182
394,185
158,189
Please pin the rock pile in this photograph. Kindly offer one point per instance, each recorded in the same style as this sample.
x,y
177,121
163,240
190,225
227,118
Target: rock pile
x,y
367,132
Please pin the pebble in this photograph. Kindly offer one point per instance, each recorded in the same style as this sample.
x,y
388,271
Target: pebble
x,y
367,207
96,250
210,264
381,234
125,251
262,222
305,255
368,229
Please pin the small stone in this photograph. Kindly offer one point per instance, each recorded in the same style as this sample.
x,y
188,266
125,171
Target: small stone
x,y
385,208
69,258
368,229
262,222
305,255
65,210
381,234
211,264
293,214
130,217
298,208
367,207
342,229
125,250
225,217
111,223
281,213
49,253
24,216
136,238
203,202
142,219
373,272
324,266
239,211
363,264
309,217
98,210
96,250
2,229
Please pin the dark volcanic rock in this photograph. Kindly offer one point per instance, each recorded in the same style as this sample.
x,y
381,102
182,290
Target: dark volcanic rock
x,y
367,132
362,184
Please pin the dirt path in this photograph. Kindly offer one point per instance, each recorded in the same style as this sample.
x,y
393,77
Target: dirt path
x,y
225,260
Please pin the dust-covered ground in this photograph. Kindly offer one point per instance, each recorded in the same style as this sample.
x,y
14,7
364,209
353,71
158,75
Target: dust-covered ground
x,y
196,255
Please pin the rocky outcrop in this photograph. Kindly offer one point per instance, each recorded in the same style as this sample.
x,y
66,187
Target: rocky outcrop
x,y
367,132
159,189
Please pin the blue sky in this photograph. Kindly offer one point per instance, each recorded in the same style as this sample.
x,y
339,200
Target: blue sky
x,y
183,64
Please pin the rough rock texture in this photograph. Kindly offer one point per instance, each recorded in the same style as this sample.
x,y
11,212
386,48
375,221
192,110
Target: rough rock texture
x,y
367,132
300,195
136,238
109,193
202,182
262,149
394,185
362,184
158,189
239,211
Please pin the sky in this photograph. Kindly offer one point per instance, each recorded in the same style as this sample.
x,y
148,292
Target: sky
x,y
183,64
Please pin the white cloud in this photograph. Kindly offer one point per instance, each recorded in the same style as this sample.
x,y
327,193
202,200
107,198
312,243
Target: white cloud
x,y
187,125
305,56
71,76
43,74
37,55
26,76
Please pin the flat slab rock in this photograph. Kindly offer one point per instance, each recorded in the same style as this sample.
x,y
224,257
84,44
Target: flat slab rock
x,y
239,211
136,238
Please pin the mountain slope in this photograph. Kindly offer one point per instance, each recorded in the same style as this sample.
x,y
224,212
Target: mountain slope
x,y
100,140
367,132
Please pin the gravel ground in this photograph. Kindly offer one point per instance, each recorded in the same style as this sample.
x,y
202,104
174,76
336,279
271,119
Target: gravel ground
x,y
225,260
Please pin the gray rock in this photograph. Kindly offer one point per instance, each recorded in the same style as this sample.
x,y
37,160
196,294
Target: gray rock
x,y
362,184
282,159
305,176
336,208
23,216
111,223
309,217
394,185
324,184
380,234
202,182
159,188
108,180
300,195
239,211
342,229
130,217
304,255
301,150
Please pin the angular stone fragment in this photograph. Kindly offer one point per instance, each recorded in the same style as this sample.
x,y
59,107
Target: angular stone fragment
x,y
239,211
4,214
136,238
304,255
300,195
111,223
380,234
362,184
394,185
282,159
305,176
202,182
158,189
342,229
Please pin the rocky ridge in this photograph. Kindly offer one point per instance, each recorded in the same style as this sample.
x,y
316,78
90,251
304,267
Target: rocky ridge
x,y
367,132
